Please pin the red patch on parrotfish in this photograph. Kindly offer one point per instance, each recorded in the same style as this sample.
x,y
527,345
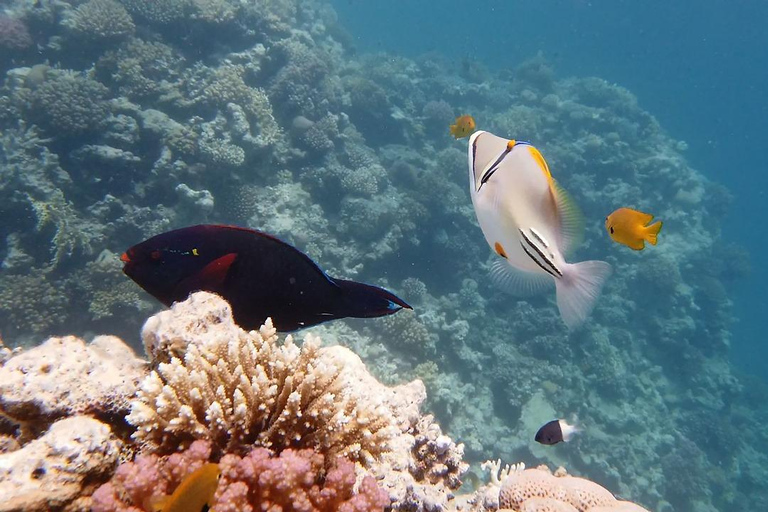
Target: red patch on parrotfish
x,y
215,272
125,258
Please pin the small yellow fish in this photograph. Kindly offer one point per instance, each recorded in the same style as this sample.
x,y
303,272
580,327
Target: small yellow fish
x,y
464,127
193,493
630,227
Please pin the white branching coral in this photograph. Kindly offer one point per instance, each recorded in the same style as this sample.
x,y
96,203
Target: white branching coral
x,y
215,381
538,490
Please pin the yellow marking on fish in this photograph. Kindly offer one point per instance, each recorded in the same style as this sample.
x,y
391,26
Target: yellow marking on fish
x,y
540,160
194,252
500,250
511,144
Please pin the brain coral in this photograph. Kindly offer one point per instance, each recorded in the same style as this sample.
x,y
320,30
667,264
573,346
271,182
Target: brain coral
x,y
215,381
528,490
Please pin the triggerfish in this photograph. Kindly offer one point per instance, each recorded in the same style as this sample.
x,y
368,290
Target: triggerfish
x,y
464,127
530,222
193,494
556,431
259,275
630,227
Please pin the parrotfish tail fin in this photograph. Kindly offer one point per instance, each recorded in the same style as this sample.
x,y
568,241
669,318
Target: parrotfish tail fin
x,y
518,282
578,290
367,301
652,232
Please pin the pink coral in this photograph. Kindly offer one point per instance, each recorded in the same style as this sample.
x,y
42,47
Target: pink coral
x,y
13,33
149,475
294,480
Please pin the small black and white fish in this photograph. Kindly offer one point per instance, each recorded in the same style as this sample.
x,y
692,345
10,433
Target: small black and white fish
x,y
556,431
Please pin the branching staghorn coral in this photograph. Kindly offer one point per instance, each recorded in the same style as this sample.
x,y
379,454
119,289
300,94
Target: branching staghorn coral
x,y
72,233
215,381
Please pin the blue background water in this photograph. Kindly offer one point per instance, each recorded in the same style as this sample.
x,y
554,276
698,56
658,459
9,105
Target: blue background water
x,y
699,67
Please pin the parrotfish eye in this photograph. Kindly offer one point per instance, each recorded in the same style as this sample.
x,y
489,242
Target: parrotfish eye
x,y
155,255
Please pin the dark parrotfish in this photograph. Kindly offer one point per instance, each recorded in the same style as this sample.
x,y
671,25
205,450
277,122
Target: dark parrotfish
x,y
259,275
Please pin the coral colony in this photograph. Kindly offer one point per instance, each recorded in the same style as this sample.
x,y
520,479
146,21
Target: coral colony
x,y
124,119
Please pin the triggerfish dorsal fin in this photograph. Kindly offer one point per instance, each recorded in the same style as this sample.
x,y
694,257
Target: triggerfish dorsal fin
x,y
539,158
570,217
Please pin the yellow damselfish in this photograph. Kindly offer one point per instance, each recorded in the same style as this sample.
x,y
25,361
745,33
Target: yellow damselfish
x,y
630,227
464,127
193,493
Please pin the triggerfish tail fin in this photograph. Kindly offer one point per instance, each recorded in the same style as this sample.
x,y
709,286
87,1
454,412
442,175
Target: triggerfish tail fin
x,y
368,301
578,290
652,232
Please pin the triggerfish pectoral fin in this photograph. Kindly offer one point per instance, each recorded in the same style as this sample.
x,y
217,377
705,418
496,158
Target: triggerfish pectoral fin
x,y
652,232
367,301
570,217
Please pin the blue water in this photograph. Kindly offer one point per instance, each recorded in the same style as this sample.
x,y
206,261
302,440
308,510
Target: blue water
x,y
699,67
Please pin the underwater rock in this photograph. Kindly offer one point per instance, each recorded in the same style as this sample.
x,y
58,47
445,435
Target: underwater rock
x,y
49,472
67,376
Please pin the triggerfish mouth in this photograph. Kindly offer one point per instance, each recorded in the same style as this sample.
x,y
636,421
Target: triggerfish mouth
x,y
530,222
259,275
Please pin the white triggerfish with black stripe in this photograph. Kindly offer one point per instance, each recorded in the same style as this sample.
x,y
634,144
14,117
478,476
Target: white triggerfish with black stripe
x,y
531,223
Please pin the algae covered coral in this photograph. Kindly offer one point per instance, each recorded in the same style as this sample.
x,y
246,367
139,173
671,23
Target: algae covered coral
x,y
122,119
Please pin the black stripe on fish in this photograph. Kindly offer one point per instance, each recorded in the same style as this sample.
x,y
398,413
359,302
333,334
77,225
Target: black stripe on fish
x,y
493,168
544,259
539,237
545,269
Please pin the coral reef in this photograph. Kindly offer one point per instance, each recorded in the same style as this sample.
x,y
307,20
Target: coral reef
x,y
261,480
120,119
217,382
35,386
100,20
59,467
539,489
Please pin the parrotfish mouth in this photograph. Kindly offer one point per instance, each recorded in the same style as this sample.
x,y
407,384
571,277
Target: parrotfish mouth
x,y
125,258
